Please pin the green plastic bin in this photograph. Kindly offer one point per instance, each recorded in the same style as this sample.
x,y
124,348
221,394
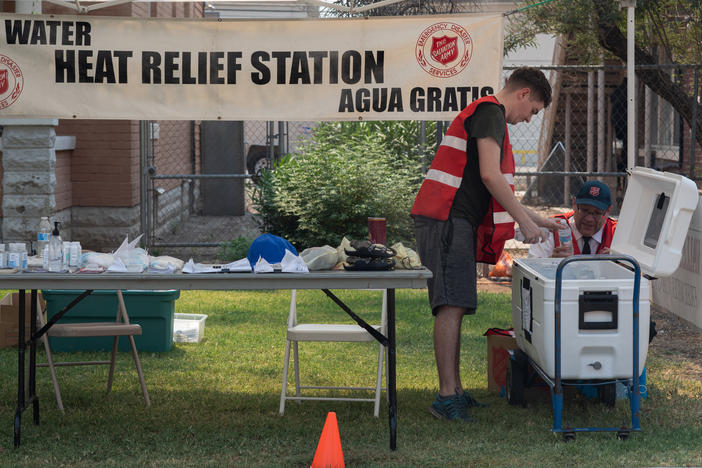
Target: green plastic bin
x,y
153,310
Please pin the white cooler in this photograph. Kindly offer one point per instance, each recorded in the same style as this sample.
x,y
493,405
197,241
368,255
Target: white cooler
x,y
597,296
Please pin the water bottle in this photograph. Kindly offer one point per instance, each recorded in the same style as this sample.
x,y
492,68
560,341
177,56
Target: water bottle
x,y
43,235
565,237
55,250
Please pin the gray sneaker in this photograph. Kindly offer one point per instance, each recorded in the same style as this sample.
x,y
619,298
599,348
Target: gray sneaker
x,y
452,408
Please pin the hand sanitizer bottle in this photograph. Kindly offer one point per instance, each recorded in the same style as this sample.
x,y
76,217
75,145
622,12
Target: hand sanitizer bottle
x,y
55,250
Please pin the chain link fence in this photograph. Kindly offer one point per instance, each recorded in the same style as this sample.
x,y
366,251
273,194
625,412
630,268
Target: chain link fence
x,y
197,175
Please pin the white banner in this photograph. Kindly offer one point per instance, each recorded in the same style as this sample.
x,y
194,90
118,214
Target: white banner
x,y
425,68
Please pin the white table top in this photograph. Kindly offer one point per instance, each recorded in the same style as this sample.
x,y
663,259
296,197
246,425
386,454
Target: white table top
x,y
332,279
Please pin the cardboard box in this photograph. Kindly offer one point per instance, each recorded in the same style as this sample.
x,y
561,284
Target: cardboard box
x,y
9,318
497,359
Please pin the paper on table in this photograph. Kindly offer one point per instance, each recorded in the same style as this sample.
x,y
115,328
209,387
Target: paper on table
x,y
239,266
192,267
292,263
262,266
169,268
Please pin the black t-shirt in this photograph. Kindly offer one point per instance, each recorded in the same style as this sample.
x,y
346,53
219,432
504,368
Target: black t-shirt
x,y
472,198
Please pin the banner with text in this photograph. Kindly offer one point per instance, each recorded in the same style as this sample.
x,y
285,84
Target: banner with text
x,y
425,68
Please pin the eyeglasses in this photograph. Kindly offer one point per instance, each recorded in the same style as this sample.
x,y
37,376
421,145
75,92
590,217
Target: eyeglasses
x,y
596,214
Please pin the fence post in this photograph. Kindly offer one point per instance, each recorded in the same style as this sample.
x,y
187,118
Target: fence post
x,y
589,163
601,121
648,106
693,124
566,163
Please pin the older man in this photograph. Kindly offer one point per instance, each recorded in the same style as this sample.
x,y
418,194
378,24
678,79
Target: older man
x,y
592,228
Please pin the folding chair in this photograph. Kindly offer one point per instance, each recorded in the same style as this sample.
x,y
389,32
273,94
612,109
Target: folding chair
x,y
120,327
331,333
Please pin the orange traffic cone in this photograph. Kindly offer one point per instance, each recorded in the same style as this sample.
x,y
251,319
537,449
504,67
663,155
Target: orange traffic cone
x,y
329,454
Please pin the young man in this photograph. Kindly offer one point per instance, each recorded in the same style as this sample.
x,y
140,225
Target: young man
x,y
591,227
464,212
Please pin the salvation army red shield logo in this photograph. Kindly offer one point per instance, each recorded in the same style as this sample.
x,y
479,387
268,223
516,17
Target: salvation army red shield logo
x,y
4,83
594,191
444,49
11,81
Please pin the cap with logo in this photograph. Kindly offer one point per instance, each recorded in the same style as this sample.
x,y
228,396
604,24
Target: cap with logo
x,y
594,193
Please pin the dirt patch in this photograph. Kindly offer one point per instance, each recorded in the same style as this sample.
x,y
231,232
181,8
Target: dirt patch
x,y
678,340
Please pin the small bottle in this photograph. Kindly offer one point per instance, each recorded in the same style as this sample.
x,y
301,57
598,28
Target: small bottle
x,y
565,237
55,250
74,255
43,235
66,254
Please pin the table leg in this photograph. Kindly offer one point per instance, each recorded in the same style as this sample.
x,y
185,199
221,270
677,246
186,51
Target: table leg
x,y
392,389
20,368
33,358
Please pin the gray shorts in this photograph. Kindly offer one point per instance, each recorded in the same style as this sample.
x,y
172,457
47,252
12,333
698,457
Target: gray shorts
x,y
447,249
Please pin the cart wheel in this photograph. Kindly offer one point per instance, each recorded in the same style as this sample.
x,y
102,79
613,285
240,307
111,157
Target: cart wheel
x,y
568,436
622,435
607,394
516,377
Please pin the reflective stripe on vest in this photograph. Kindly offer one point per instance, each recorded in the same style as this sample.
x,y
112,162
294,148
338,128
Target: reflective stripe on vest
x,y
438,190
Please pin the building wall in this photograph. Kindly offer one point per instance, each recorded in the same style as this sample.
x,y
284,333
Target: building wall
x,y
98,184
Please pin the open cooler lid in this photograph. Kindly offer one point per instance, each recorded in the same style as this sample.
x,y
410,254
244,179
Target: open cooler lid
x,y
654,219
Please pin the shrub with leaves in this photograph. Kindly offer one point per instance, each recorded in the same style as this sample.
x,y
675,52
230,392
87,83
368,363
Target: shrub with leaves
x,y
235,249
338,179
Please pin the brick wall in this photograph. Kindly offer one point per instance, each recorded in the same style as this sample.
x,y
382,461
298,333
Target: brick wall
x,y
64,186
105,162
173,151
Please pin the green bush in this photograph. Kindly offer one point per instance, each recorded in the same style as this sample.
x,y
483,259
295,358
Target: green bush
x,y
235,249
338,179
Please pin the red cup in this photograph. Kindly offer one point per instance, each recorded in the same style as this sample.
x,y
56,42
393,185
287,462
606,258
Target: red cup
x,y
376,230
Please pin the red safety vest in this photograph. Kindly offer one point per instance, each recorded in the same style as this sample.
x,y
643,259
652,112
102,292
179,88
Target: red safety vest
x,y
607,234
435,196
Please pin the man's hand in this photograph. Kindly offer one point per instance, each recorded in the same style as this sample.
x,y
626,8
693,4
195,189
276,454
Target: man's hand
x,y
532,232
549,223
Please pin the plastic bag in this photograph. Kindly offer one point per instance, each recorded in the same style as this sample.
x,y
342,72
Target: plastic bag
x,y
96,260
320,258
503,267
134,259
406,258
341,250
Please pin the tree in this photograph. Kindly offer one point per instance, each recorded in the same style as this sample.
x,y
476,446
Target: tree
x,y
671,29
408,7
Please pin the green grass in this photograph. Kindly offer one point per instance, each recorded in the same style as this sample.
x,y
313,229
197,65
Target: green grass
x,y
215,403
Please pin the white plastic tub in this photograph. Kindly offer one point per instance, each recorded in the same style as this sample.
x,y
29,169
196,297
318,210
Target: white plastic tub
x,y
188,328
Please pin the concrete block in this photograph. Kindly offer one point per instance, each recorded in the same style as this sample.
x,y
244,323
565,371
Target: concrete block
x,y
28,183
37,159
28,136
30,206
